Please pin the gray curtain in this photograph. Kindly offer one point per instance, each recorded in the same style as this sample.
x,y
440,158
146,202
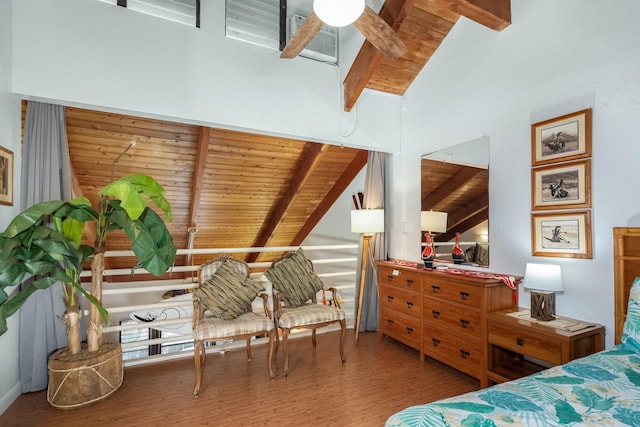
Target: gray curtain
x,y
374,198
46,175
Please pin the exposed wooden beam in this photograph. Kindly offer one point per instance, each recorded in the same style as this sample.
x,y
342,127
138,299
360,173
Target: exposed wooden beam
x,y
307,162
465,225
494,14
471,209
196,187
341,184
464,175
393,12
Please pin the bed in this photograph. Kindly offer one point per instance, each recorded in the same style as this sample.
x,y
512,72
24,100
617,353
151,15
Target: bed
x,y
602,389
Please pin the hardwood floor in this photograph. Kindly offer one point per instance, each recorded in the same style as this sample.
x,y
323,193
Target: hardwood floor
x,y
379,378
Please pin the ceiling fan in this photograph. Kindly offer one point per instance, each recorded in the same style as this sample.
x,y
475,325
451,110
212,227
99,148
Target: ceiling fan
x,y
339,13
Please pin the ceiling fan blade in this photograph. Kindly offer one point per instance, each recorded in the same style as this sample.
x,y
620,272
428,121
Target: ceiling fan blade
x,y
302,37
380,34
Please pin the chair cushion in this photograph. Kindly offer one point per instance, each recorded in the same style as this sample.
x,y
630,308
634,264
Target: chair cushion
x,y
309,314
294,277
228,293
215,328
631,331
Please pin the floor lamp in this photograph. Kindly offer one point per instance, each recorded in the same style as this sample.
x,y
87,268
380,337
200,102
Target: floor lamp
x,y
366,222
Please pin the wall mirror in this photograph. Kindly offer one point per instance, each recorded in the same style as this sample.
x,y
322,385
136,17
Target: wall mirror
x,y
455,180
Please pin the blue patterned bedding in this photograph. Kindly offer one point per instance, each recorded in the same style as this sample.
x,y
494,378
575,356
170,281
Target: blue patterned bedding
x,y
599,390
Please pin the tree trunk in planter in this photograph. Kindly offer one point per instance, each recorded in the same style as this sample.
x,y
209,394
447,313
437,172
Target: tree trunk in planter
x,y
77,380
71,320
94,327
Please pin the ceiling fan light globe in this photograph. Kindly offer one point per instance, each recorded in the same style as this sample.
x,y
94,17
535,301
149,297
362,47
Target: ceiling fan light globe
x,y
338,13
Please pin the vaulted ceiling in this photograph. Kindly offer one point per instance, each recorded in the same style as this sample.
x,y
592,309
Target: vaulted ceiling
x,y
422,25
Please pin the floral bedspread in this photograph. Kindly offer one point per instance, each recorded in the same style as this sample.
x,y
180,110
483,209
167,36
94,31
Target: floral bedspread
x,y
599,390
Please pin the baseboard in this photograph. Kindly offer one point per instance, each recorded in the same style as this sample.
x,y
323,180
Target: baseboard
x,y
10,397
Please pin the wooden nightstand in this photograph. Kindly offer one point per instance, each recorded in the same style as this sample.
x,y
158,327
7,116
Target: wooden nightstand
x,y
520,346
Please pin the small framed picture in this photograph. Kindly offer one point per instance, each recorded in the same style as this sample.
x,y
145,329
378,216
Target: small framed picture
x,y
561,139
567,185
6,177
561,234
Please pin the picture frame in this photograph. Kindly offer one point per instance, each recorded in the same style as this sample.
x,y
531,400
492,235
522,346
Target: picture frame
x,y
561,234
561,186
6,177
561,139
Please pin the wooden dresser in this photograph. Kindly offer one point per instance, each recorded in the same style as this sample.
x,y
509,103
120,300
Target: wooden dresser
x,y
442,315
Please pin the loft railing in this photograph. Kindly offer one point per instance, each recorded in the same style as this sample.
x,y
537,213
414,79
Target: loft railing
x,y
150,338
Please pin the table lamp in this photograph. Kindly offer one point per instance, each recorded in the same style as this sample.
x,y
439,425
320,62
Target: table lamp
x,y
366,222
543,280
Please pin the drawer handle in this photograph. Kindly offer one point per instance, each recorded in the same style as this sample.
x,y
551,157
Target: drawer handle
x,y
389,298
519,341
435,288
464,354
409,330
435,342
436,314
409,304
464,295
389,322
390,277
464,323
409,282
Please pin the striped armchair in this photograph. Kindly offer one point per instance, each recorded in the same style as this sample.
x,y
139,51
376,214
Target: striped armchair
x,y
295,288
222,310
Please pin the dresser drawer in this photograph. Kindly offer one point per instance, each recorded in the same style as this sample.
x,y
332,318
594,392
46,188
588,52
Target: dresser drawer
x,y
399,299
409,280
454,317
543,348
401,326
453,291
460,353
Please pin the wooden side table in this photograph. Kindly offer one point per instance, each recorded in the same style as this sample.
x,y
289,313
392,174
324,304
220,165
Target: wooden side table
x,y
518,345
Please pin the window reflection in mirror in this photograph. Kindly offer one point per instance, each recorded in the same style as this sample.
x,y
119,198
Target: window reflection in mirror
x,y
455,180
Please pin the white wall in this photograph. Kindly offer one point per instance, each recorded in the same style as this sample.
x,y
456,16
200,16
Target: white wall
x,y
81,52
557,57
10,139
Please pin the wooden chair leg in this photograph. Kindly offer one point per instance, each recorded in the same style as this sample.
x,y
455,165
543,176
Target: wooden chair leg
x,y
313,337
197,350
249,349
271,334
285,348
343,332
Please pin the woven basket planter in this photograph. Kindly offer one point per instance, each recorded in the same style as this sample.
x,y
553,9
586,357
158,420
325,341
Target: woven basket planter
x,y
87,377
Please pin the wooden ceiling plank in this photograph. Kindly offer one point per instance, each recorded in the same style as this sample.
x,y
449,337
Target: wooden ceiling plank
x,y
494,14
393,12
463,175
341,184
309,159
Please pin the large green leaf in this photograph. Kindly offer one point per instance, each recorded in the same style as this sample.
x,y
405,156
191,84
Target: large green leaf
x,y
129,190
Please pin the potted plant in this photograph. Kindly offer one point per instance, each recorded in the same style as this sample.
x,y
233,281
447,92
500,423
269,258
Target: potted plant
x,y
41,246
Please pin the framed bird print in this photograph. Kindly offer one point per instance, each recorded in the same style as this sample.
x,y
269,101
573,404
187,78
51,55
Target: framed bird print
x,y
561,139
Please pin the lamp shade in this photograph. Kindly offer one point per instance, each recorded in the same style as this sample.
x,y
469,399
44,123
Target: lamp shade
x,y
338,13
432,221
367,221
543,277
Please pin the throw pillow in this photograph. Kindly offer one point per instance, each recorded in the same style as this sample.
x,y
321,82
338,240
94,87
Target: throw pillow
x,y
228,293
294,277
631,331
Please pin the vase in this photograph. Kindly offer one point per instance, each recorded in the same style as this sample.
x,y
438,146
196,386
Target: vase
x,y
457,253
429,253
